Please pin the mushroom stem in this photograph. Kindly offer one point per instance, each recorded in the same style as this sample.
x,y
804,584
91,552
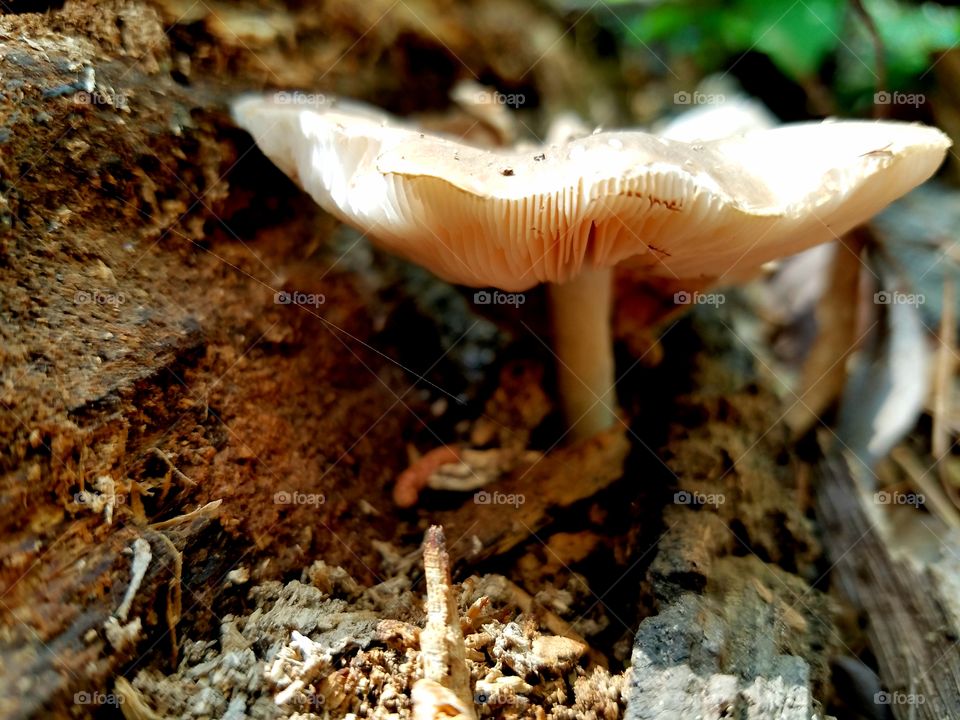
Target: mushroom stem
x,y
580,311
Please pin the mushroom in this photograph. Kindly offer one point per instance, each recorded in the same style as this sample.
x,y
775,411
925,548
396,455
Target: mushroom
x,y
568,213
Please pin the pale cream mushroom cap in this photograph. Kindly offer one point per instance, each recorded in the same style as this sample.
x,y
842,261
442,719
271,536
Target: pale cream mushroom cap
x,y
512,219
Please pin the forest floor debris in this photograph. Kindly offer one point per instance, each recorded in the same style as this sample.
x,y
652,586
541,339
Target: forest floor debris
x,y
304,652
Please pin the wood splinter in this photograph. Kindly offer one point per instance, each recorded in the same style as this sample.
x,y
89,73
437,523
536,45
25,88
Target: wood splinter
x,y
445,690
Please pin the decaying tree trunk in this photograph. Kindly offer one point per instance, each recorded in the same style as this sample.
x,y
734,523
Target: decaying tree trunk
x,y
738,631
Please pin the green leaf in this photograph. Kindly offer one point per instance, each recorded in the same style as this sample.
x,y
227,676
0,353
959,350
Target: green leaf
x,y
797,37
664,22
912,34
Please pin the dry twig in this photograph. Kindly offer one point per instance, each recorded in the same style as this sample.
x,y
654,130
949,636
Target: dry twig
x,y
445,688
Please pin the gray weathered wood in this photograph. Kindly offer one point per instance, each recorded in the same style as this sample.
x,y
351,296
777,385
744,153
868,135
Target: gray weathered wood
x,y
911,609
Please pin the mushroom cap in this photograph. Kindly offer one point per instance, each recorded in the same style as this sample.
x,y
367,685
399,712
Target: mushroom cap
x,y
705,211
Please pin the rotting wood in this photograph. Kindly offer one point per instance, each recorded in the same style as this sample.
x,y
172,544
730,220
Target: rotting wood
x,y
485,527
735,650
738,631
